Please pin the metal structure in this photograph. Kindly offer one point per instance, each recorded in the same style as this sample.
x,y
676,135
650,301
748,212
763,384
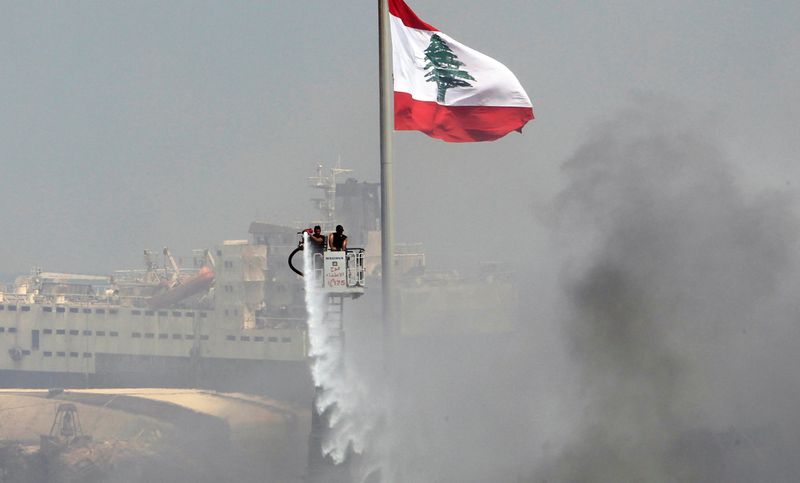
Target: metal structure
x,y
386,90
326,205
67,424
339,273
65,431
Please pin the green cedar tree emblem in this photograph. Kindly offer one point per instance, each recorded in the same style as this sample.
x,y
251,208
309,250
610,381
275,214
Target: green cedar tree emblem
x,y
444,67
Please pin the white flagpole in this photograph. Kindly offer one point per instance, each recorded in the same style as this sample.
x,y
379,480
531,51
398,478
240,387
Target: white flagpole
x,y
387,195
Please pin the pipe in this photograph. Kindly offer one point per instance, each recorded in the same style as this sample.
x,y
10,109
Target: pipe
x,y
291,255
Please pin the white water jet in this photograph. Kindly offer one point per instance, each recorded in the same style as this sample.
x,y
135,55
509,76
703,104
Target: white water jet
x,y
352,415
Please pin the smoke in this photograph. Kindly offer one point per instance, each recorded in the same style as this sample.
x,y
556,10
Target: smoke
x,y
664,350
472,404
679,287
656,341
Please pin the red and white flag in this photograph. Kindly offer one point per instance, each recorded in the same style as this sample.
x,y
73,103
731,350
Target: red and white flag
x,y
448,90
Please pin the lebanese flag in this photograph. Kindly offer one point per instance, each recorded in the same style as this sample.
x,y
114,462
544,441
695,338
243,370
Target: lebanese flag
x,y
448,90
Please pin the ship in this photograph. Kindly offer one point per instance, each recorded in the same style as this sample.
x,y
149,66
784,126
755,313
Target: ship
x,y
214,325
235,319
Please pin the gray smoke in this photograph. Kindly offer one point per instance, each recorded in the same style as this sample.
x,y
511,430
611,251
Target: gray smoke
x,y
657,339
680,290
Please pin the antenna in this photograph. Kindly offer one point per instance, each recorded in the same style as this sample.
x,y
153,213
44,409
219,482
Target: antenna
x,y
327,205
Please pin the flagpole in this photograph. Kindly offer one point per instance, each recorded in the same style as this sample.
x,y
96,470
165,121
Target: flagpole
x,y
387,191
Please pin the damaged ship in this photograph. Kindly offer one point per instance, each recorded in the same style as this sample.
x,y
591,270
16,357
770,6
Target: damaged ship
x,y
226,323
235,319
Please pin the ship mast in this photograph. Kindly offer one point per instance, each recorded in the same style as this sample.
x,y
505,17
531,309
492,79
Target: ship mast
x,y
326,204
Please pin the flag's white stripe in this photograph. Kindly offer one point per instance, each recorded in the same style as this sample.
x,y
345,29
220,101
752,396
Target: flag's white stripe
x,y
494,84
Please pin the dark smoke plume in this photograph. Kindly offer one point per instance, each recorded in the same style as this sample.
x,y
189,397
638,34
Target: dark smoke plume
x,y
680,287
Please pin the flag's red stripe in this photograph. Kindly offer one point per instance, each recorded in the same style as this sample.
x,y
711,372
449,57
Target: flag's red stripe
x,y
399,9
457,124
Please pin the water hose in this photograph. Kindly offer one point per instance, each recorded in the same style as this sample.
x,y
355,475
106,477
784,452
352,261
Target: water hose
x,y
291,255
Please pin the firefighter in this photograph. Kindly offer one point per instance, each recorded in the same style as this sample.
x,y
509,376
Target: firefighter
x,y
316,240
337,241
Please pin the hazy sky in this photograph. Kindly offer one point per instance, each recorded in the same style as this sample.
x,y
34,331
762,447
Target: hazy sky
x,y
131,125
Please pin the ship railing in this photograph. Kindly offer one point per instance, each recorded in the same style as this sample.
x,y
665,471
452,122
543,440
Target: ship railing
x,y
15,298
280,323
74,299
355,267
319,269
329,275
140,276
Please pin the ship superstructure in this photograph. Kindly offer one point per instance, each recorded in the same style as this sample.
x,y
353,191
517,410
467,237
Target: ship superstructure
x,y
235,318
205,326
